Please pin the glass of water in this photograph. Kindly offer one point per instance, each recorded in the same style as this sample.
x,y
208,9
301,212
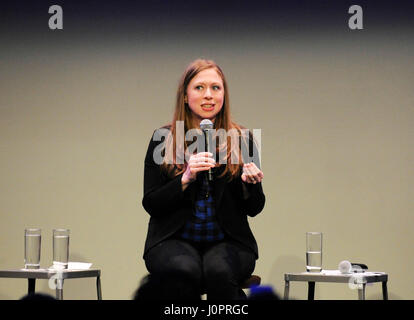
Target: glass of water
x,y
60,248
314,251
32,244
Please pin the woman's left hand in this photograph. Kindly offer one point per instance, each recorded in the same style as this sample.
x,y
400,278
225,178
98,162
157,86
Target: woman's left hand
x,y
251,173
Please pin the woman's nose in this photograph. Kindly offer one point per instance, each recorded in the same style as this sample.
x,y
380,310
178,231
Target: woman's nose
x,y
208,93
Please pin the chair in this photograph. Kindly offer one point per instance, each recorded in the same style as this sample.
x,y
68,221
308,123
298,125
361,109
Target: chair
x,y
253,280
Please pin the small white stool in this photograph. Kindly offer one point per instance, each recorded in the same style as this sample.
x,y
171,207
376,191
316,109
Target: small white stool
x,y
32,274
358,279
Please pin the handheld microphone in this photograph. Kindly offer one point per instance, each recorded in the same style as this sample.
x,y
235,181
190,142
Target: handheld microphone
x,y
345,267
349,267
206,125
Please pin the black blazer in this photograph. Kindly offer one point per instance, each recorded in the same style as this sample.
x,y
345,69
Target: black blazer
x,y
169,207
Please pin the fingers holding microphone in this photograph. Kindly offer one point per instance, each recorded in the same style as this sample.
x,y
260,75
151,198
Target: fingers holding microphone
x,y
202,161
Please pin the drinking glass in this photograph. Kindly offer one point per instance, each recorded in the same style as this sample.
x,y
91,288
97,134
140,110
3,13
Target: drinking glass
x,y
313,251
60,248
32,244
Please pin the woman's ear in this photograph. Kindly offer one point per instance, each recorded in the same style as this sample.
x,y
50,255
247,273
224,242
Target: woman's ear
x,y
185,99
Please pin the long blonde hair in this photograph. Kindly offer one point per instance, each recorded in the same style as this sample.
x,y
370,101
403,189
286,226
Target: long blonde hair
x,y
222,121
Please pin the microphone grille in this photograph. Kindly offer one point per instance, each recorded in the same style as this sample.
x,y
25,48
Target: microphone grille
x,y
206,124
345,266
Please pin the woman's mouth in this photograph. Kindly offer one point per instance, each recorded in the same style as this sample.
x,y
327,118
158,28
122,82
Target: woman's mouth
x,y
207,107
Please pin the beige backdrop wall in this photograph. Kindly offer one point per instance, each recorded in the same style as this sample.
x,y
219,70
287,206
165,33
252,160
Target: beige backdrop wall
x,y
337,122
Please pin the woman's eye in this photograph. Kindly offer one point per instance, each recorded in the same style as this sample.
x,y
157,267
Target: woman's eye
x,y
216,87
199,87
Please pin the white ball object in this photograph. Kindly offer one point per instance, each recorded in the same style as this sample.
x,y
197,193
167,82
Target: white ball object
x,y
345,266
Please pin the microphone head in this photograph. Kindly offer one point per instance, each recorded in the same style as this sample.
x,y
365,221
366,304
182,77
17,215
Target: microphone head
x,y
206,124
345,267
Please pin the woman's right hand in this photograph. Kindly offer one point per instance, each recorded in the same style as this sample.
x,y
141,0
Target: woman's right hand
x,y
198,162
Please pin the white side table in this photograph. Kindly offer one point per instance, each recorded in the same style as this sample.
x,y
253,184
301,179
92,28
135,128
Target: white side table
x,y
359,280
60,275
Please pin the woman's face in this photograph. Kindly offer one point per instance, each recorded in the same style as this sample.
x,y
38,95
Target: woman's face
x,y
205,95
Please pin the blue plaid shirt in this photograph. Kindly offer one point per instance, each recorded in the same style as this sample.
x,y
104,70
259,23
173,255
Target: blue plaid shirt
x,y
203,225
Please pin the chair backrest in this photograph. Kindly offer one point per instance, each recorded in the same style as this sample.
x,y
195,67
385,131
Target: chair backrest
x,y
253,280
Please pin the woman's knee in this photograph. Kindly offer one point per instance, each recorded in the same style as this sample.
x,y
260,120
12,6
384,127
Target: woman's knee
x,y
176,258
185,267
228,263
216,273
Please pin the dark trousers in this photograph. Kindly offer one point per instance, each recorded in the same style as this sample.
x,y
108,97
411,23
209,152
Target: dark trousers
x,y
213,268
